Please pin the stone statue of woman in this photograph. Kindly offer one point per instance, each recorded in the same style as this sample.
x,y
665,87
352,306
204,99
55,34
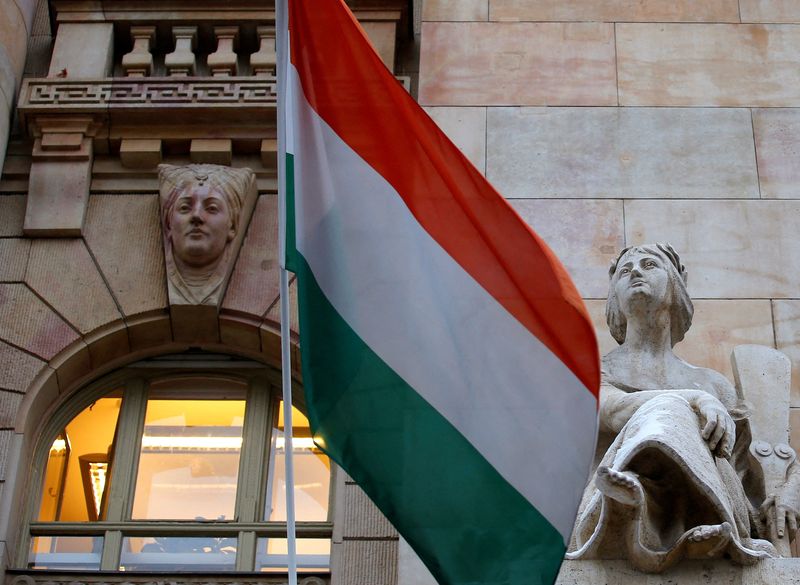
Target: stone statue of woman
x,y
670,484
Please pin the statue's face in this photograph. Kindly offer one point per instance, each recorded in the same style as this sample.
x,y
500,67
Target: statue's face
x,y
200,226
641,277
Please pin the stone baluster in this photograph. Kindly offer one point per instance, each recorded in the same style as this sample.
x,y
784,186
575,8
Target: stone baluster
x,y
264,61
181,61
222,62
139,62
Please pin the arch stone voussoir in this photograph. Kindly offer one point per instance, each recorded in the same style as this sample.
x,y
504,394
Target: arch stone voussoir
x,y
122,342
29,323
123,234
253,287
57,269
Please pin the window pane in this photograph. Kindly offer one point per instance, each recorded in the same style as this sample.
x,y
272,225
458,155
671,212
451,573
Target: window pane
x,y
79,553
189,460
174,553
312,473
313,555
75,478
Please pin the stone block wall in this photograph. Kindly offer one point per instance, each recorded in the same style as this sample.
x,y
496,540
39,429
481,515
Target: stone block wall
x,y
609,124
365,544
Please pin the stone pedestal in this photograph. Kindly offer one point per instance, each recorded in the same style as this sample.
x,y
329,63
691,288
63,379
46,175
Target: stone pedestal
x,y
767,572
411,571
83,51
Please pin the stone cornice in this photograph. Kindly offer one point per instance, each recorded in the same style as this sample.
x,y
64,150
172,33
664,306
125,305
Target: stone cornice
x,y
231,11
154,101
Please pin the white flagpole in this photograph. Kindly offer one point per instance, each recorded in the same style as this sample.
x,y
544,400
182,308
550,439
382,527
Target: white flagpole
x,y
282,28
287,427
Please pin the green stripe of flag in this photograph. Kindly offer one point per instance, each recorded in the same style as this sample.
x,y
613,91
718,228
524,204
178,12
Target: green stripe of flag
x,y
291,239
422,473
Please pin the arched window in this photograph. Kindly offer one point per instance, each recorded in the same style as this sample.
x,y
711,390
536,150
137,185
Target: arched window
x,y
176,464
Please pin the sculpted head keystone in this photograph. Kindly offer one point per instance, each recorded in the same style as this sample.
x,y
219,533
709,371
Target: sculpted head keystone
x,y
201,209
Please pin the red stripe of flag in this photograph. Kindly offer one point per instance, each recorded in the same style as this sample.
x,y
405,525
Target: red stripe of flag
x,y
349,87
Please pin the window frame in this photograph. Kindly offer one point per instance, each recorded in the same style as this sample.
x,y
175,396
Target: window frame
x,y
261,410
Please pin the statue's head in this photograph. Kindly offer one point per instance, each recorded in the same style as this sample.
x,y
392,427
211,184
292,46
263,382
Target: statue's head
x,y
201,205
648,276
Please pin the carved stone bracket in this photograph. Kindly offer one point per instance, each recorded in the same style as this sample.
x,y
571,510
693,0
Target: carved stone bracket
x,y
63,137
58,189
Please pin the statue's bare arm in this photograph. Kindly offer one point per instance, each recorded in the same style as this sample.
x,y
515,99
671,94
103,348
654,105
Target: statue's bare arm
x,y
717,426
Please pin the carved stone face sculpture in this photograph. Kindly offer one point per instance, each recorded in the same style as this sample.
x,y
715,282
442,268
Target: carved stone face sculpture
x,y
648,276
201,214
201,226
641,279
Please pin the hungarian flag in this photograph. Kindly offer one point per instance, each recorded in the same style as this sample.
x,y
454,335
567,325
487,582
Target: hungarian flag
x,y
449,364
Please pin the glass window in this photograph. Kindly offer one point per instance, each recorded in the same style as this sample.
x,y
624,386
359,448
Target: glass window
x,y
176,553
312,473
77,464
189,460
178,471
77,553
313,554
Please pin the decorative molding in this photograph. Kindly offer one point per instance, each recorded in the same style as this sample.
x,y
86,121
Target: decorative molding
x,y
229,100
63,137
56,95
185,11
73,578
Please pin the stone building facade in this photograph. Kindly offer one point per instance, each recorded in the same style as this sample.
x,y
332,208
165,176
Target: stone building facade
x,y
605,124
611,124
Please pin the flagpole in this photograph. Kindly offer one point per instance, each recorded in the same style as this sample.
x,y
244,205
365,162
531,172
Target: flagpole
x,y
287,427
282,27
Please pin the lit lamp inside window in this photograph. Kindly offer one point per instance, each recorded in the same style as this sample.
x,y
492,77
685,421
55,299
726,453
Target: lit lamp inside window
x,y
76,479
94,468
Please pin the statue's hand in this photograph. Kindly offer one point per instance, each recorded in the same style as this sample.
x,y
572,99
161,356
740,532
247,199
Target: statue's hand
x,y
781,510
717,426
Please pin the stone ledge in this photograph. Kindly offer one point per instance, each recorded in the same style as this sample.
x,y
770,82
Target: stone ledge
x,y
768,572
14,577
234,97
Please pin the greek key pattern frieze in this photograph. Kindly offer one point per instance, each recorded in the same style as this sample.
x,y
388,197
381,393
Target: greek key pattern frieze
x,y
90,94
40,578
